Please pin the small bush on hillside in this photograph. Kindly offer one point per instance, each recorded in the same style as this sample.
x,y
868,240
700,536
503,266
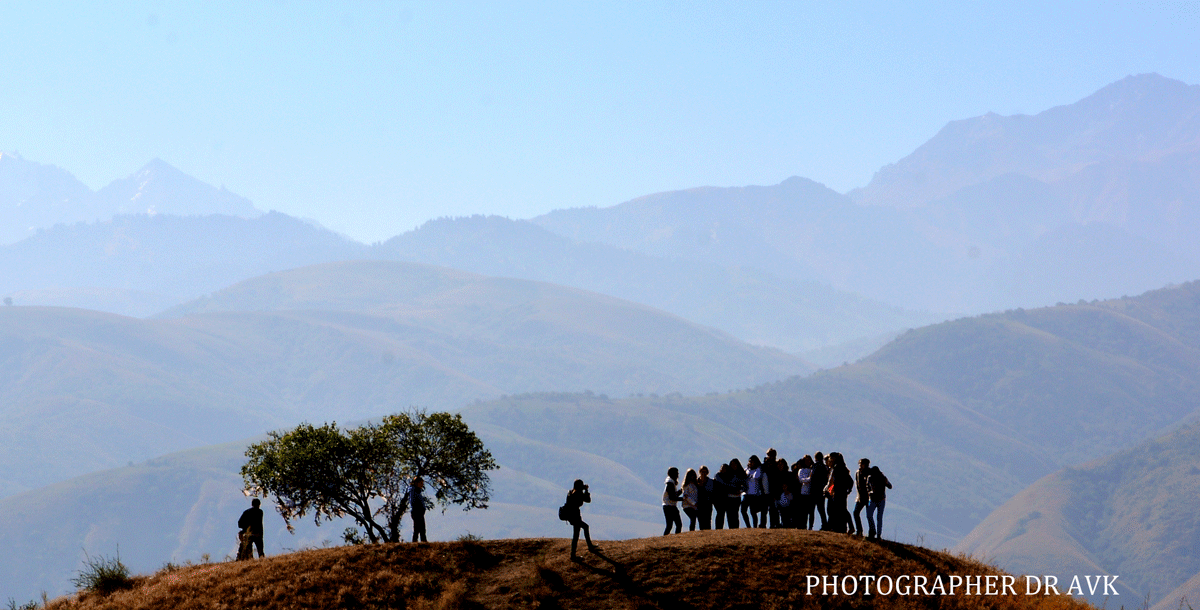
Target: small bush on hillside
x,y
12,605
102,575
469,537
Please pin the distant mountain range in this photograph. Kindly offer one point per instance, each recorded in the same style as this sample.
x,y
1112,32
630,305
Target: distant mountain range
x,y
264,320
1092,200
36,196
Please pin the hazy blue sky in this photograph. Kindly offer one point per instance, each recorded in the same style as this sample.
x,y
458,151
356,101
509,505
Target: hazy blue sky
x,y
374,117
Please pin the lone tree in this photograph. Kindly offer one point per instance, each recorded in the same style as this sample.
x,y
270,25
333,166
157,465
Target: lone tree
x,y
365,472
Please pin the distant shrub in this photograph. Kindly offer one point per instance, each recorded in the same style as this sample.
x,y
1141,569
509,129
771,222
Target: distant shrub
x,y
469,537
12,603
102,575
351,536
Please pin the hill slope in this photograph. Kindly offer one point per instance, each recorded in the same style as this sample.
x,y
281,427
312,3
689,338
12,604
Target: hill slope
x,y
85,390
688,571
754,306
1124,514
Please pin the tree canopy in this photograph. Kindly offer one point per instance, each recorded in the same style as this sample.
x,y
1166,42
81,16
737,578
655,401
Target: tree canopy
x,y
366,472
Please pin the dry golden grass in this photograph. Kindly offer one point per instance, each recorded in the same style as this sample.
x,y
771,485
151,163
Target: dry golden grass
x,y
719,569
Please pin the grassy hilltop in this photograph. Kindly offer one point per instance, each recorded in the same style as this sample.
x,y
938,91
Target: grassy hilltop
x,y
743,568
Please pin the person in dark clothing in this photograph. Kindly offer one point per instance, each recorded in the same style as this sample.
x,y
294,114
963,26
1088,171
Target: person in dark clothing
x,y
771,474
860,499
818,482
727,493
877,486
841,483
416,506
704,506
251,524
787,509
670,501
576,497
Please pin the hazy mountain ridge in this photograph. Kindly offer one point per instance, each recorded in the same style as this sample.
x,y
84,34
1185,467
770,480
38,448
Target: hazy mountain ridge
x,y
149,263
962,222
35,196
440,338
753,305
1141,117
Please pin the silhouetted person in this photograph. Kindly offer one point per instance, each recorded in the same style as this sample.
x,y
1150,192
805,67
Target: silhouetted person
x,y
416,506
691,498
707,490
877,486
569,512
251,524
860,498
727,493
841,483
771,497
818,481
670,501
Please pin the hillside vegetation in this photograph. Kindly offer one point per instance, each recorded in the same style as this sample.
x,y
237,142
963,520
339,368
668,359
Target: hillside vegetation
x,y
1129,513
732,569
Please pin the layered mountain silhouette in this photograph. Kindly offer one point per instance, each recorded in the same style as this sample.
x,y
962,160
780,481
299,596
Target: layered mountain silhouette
x,y
977,219
1077,205
86,390
138,264
753,305
36,196
961,416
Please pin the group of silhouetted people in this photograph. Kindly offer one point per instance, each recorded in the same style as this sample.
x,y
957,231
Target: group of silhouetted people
x,y
767,493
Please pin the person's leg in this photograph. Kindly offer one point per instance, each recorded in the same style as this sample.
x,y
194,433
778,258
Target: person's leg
x,y
667,517
745,505
678,519
706,516
258,544
819,504
872,506
731,510
858,508
720,506
418,520
575,526
879,517
693,516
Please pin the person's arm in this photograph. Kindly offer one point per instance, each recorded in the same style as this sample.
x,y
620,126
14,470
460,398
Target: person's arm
x,y
672,493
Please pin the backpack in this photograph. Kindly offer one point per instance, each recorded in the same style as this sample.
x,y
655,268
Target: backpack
x,y
564,513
